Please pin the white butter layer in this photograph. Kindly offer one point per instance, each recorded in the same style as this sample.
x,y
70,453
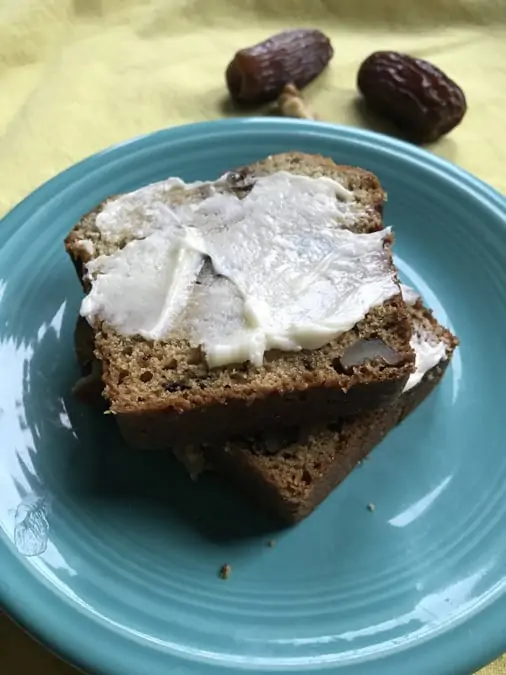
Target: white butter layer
x,y
429,349
409,295
278,268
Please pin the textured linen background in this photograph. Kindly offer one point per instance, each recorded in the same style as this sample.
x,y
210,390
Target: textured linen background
x,y
78,75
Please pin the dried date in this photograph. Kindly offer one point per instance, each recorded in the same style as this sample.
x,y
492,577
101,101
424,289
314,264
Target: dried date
x,y
258,74
415,95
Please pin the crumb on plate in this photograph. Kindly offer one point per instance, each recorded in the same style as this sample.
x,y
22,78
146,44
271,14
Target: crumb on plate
x,y
225,571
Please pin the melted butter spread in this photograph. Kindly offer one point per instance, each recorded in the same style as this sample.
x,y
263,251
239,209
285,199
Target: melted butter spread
x,y
429,349
278,268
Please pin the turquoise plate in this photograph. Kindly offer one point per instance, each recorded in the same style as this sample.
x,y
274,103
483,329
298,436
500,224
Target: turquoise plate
x,y
111,557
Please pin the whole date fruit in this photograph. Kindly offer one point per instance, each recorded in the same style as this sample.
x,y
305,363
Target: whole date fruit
x,y
258,74
417,97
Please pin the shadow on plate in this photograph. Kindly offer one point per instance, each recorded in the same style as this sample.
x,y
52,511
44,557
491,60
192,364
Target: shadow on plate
x,y
79,455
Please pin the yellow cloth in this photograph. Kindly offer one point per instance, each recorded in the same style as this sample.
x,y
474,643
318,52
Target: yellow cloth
x,y
78,75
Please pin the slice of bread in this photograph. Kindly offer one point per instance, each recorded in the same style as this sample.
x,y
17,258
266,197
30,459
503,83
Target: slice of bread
x,y
290,473
163,393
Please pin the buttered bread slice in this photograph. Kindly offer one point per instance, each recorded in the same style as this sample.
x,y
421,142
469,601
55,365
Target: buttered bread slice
x,y
263,299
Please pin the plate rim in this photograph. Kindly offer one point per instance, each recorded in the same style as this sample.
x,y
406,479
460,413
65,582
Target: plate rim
x,y
464,642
